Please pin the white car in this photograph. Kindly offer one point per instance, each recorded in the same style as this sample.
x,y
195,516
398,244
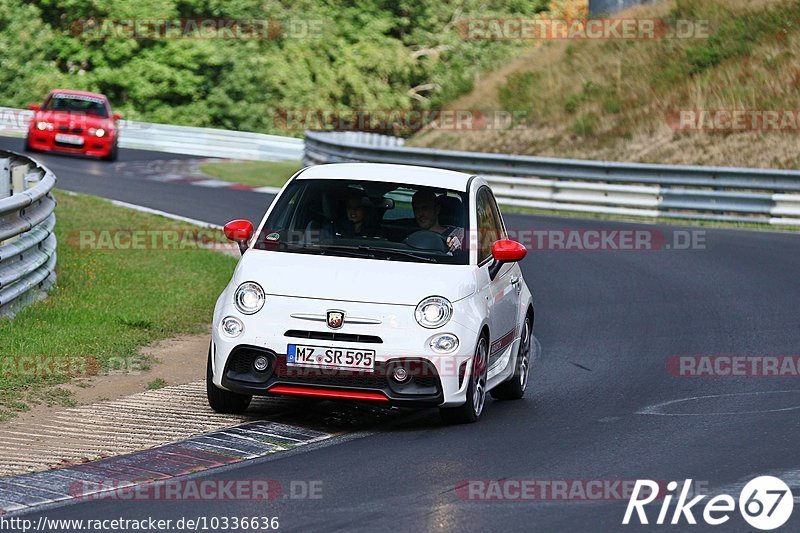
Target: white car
x,y
376,283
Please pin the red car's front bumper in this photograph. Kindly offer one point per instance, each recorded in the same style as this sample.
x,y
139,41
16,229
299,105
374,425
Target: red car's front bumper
x,y
45,140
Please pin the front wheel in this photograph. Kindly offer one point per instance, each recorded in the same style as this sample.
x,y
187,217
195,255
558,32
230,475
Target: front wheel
x,y
476,390
112,153
514,389
28,147
221,400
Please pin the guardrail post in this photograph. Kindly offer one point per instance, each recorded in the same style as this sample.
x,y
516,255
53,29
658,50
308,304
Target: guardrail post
x,y
18,178
5,177
32,178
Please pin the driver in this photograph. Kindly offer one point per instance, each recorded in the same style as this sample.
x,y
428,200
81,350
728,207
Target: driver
x,y
426,212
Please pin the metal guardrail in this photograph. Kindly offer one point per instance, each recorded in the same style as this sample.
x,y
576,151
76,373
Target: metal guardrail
x,y
683,192
27,239
188,140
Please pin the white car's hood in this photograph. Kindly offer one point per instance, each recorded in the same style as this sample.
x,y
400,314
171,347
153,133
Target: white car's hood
x,y
353,279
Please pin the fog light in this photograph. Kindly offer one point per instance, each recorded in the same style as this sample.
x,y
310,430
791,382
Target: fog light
x,y
231,326
444,343
400,374
261,363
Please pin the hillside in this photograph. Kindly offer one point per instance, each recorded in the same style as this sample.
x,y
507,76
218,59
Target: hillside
x,y
616,100
304,54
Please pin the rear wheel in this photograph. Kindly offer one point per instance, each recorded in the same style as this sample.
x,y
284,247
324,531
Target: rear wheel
x,y
514,389
221,400
471,410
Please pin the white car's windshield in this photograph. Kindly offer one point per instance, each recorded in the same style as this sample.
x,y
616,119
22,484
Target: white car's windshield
x,y
369,219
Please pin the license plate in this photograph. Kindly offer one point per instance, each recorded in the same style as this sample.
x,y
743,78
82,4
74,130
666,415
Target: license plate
x,y
328,357
69,139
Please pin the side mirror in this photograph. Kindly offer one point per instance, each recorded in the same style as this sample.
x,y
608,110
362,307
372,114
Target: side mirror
x,y
34,107
505,251
116,116
240,232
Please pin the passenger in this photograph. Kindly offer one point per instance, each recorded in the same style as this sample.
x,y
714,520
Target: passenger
x,y
426,212
358,222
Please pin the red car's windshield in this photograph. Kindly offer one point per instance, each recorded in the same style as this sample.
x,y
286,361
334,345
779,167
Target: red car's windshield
x,y
73,103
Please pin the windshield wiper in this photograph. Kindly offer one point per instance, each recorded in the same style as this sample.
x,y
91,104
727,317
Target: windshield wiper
x,y
354,251
392,251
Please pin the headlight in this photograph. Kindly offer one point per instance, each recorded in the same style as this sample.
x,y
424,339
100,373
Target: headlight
x,y
99,132
433,312
44,126
249,298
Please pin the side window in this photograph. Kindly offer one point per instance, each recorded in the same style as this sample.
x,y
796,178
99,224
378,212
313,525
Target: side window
x,y
498,220
488,231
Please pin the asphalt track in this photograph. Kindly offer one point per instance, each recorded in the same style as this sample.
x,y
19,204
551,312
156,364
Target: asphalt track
x,y
607,321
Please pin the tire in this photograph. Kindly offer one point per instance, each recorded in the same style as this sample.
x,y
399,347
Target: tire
x,y
220,400
112,154
514,388
28,147
476,390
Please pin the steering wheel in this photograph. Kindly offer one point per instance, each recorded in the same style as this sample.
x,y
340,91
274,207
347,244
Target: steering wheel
x,y
427,240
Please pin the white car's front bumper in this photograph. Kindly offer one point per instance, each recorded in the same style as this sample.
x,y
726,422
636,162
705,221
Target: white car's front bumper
x,y
441,379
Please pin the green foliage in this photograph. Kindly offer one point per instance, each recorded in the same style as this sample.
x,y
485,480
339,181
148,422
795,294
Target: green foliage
x,y
333,54
158,383
571,103
612,105
584,125
736,36
518,92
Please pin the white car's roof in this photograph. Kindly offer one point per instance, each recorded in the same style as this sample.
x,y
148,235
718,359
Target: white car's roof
x,y
435,177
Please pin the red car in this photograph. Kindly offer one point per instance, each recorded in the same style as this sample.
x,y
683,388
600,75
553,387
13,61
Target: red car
x,y
75,122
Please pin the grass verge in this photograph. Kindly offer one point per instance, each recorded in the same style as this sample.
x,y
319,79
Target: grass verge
x,y
106,304
255,173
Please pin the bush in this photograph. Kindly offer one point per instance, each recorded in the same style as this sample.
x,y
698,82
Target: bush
x,y
518,92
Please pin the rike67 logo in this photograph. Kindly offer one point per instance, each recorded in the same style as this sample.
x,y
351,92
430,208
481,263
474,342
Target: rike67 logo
x,y
765,503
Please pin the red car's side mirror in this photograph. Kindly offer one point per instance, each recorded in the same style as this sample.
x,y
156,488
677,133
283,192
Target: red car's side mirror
x,y
239,231
506,251
34,107
116,116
